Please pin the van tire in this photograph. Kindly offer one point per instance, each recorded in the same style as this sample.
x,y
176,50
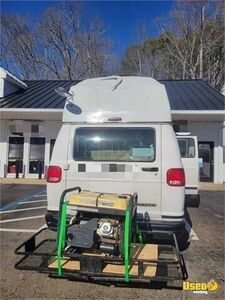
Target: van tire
x,y
183,244
192,200
183,241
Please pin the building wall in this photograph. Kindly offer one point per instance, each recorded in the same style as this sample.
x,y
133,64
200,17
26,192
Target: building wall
x,y
212,132
49,130
222,133
1,87
206,131
3,147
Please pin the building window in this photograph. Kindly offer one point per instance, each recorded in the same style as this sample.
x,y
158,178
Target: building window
x,y
37,155
52,143
15,157
180,126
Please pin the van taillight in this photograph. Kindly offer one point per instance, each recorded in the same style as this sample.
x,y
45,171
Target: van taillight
x,y
54,174
175,177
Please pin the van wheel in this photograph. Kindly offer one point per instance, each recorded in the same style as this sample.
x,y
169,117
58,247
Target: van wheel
x,y
183,245
183,241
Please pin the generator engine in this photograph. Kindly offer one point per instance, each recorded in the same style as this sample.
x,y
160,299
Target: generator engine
x,y
104,234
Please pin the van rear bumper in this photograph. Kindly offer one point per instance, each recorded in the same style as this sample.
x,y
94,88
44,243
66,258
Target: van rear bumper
x,y
178,227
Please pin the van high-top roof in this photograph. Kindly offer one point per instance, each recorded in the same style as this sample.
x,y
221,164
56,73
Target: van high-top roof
x,y
115,98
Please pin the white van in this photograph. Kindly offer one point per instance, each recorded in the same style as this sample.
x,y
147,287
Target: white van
x,y
117,136
189,156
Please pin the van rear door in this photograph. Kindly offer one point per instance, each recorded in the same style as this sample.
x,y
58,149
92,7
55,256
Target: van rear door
x,y
118,158
189,155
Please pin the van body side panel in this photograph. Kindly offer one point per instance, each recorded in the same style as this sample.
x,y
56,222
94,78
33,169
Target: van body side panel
x,y
172,196
59,158
127,177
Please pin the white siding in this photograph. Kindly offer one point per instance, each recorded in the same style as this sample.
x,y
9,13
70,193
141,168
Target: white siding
x,y
3,147
223,137
1,87
205,131
211,132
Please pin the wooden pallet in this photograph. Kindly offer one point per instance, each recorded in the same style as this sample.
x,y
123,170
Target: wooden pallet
x,y
140,252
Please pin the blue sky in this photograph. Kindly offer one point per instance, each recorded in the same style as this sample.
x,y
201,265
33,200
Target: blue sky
x,y
121,17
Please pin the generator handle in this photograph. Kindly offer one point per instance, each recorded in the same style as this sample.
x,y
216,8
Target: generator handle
x,y
77,188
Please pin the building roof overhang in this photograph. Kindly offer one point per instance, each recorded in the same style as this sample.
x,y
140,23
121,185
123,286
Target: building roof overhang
x,y
199,115
31,114
6,75
56,114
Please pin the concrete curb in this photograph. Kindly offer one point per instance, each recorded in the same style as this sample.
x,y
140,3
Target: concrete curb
x,y
33,181
208,186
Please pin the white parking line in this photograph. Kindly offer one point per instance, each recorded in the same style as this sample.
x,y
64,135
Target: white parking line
x,y
22,209
21,219
43,226
18,230
192,234
29,202
40,195
22,230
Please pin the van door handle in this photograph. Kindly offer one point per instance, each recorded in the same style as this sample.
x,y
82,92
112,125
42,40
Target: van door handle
x,y
156,169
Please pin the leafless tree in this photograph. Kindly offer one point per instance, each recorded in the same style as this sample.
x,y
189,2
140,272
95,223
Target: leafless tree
x,y
191,45
147,58
18,45
61,46
138,59
195,31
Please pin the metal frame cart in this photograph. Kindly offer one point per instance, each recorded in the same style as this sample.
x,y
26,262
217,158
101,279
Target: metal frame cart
x,y
140,261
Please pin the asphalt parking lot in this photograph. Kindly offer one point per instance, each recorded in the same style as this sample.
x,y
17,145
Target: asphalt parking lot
x,y
22,213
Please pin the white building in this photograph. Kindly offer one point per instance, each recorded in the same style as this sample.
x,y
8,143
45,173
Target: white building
x,y
31,112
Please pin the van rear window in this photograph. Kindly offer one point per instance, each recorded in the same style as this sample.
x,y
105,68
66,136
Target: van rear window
x,y
114,144
187,147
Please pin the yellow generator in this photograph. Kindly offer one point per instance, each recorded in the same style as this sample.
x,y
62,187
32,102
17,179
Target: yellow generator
x,y
99,221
